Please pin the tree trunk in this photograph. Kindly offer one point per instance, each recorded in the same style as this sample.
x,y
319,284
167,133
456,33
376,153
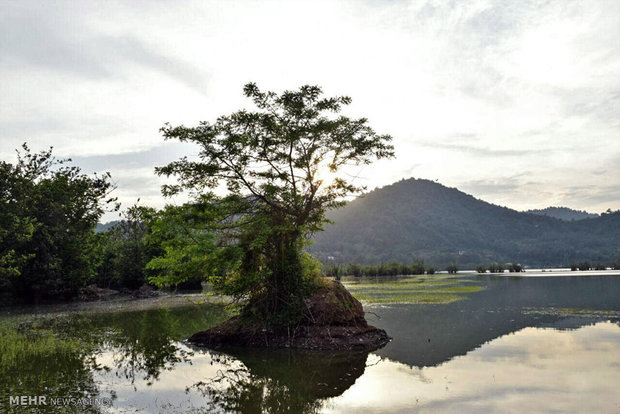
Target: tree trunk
x,y
286,282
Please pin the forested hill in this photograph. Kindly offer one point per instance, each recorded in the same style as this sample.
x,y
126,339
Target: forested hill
x,y
420,219
563,213
106,226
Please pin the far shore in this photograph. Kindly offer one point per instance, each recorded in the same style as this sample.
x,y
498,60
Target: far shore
x,y
524,273
552,272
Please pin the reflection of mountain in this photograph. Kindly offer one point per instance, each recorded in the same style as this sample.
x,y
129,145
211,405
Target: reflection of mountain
x,y
427,335
533,370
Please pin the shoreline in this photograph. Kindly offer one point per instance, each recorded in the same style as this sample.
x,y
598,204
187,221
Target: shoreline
x,y
116,304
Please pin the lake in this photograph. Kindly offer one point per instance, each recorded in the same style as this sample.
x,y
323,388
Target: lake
x,y
464,343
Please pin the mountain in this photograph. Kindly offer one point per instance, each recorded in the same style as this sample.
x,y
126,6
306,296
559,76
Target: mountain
x,y
106,226
563,213
420,219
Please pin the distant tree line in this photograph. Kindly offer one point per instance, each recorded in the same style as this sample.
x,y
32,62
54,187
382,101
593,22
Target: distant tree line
x,y
500,268
416,268
383,269
588,266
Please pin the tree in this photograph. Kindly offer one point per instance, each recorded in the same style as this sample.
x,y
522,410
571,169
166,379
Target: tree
x,y
334,271
417,268
354,269
584,266
273,162
126,248
49,211
190,251
496,268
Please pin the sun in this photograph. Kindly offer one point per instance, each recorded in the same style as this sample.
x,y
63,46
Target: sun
x,y
325,175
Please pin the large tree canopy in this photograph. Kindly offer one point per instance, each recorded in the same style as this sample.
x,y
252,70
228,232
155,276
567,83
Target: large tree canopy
x,y
273,161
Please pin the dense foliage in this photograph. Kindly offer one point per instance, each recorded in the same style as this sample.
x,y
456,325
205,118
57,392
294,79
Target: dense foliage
x,y
49,211
440,225
194,248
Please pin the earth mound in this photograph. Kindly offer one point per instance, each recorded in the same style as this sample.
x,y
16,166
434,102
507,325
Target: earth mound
x,y
332,320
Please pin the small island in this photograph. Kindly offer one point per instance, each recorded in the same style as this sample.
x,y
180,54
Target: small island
x,y
332,320
281,165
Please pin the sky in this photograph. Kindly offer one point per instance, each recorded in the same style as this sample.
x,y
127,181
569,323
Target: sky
x,y
514,102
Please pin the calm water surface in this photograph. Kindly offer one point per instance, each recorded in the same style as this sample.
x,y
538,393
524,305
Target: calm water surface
x,y
522,344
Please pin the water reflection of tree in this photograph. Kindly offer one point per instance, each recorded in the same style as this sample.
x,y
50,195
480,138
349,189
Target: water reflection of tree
x,y
145,343
143,347
57,356
280,381
37,363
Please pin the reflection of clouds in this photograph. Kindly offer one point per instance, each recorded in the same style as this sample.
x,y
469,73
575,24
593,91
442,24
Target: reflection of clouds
x,y
533,370
168,392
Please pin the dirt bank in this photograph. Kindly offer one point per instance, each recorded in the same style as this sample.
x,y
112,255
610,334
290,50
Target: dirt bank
x,y
333,320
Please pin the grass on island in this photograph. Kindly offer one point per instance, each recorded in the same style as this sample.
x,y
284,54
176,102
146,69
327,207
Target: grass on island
x,y
411,290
